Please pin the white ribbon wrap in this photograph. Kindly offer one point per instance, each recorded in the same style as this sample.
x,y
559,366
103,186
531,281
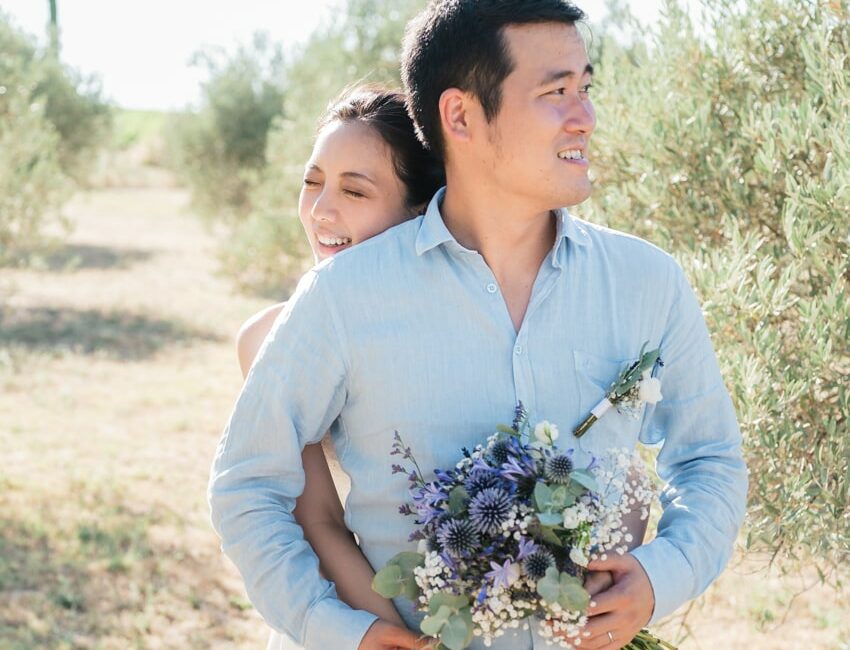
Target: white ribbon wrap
x,y
602,408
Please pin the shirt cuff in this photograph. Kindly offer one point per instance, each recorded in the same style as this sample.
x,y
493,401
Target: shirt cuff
x,y
670,575
333,624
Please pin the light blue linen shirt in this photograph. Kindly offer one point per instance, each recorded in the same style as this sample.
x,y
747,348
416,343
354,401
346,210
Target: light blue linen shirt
x,y
409,332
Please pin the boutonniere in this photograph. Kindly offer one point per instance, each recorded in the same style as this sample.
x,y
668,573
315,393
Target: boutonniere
x,y
634,386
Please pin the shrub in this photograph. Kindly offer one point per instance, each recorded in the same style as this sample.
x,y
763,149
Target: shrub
x,y
32,181
730,145
220,150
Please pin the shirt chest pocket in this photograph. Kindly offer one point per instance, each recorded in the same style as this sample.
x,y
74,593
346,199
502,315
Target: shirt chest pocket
x,y
595,375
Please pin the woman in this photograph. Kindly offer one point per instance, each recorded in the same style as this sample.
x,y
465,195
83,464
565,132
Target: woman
x,y
368,172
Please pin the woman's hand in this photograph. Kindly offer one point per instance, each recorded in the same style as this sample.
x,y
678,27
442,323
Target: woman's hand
x,y
388,636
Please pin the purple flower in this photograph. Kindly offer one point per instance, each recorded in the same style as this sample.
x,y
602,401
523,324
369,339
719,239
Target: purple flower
x,y
489,509
526,548
505,575
513,469
444,476
458,537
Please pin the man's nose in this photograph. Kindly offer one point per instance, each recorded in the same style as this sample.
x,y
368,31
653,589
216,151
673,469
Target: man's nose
x,y
581,117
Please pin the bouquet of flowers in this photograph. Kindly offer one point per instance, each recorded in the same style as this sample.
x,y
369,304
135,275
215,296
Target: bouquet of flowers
x,y
506,536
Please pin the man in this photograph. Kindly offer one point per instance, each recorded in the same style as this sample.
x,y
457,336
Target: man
x,y
438,327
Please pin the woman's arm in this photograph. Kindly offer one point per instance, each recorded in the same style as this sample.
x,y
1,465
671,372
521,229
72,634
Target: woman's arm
x,y
318,510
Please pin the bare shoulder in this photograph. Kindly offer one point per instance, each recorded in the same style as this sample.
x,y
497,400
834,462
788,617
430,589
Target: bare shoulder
x,y
252,334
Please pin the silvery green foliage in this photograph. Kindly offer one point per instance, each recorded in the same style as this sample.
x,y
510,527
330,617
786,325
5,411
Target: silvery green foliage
x,y
729,144
32,182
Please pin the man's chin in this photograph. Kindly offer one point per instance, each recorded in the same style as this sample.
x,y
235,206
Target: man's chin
x,y
574,196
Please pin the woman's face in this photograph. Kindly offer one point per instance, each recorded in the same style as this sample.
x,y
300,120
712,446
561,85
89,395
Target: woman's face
x,y
350,191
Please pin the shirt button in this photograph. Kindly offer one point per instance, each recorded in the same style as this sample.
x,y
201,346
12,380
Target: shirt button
x,y
517,349
492,288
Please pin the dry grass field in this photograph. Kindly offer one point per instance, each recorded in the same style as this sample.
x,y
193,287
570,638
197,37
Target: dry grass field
x,y
117,372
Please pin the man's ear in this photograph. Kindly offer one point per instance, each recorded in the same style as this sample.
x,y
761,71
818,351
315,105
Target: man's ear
x,y
456,115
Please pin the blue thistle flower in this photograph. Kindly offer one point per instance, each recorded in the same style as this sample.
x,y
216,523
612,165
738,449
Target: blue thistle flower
x,y
499,452
480,479
489,509
536,564
557,468
458,537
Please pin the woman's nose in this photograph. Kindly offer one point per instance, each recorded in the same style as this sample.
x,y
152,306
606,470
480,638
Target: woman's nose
x,y
324,208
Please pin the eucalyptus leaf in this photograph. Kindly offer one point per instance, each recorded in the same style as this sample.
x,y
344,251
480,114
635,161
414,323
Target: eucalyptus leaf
x,y
573,595
457,632
458,500
550,518
387,581
447,599
549,586
431,625
542,495
585,479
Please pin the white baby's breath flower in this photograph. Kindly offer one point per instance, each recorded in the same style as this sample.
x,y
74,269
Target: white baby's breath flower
x,y
649,388
546,432
577,556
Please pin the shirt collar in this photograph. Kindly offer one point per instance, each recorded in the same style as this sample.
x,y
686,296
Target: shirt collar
x,y
433,231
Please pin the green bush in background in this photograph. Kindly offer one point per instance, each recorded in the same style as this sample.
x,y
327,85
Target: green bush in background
x,y
220,150
52,122
730,146
32,181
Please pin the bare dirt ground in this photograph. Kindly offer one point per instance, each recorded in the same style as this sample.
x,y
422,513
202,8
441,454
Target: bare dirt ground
x,y
117,373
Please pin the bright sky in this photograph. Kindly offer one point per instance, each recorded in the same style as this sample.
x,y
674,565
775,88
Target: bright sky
x,y
140,50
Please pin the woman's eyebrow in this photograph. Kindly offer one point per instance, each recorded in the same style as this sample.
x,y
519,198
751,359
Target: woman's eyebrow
x,y
358,175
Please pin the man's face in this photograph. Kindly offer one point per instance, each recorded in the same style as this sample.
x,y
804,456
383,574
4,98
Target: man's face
x,y
537,143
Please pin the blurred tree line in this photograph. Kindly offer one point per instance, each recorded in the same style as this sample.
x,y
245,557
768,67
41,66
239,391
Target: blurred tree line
x,y
53,119
724,139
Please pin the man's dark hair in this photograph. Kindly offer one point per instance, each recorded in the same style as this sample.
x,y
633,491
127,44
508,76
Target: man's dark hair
x,y
461,44
384,110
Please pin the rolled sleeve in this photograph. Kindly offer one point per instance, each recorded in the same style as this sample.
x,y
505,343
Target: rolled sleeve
x,y
257,473
704,497
332,624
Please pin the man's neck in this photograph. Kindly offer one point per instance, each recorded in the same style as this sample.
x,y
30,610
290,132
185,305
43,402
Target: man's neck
x,y
512,237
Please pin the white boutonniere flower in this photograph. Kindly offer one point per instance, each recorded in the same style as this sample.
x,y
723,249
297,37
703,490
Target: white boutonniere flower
x,y
649,388
546,433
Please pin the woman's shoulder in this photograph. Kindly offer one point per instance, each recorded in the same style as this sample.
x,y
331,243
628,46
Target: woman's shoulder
x,y
253,332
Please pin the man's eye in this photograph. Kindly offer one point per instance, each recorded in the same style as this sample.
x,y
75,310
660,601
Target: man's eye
x,y
558,91
585,90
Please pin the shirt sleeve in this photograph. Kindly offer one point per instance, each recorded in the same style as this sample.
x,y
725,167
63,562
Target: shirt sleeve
x,y
295,390
700,460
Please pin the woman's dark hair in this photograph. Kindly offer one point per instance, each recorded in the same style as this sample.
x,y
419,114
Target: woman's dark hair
x,y
384,110
461,44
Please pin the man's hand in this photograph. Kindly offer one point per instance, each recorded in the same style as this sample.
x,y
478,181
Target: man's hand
x,y
388,636
598,581
622,609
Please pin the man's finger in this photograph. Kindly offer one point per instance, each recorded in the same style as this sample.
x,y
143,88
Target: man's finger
x,y
598,581
404,638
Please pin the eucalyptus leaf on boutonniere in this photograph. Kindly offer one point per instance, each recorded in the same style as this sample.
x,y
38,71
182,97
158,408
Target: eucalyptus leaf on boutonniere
x,y
635,386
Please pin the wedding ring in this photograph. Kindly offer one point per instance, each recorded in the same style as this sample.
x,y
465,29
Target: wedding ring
x,y
611,637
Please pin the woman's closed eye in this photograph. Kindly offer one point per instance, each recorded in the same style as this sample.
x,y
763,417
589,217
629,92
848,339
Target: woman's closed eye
x,y
309,182
355,194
